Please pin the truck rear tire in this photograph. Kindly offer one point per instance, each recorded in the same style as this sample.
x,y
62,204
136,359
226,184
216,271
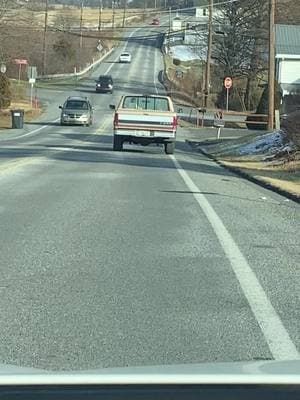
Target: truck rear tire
x,y
169,147
118,143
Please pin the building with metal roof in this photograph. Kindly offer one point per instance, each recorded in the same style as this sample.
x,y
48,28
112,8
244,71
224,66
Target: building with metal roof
x,y
288,58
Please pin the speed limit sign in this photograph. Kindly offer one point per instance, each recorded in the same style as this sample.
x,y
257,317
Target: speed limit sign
x,y
228,83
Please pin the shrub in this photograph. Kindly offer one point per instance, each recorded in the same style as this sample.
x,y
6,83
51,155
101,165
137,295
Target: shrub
x,y
5,92
263,107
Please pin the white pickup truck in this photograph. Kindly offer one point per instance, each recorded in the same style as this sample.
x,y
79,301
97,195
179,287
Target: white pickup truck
x,y
145,119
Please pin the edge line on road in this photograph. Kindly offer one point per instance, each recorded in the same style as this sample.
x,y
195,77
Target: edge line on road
x,y
31,132
278,340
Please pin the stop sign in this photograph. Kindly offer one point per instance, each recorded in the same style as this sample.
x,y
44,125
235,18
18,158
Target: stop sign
x,y
228,83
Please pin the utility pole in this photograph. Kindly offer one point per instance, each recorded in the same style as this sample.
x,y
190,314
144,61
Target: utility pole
x,y
144,12
271,83
100,16
45,38
81,23
113,14
209,50
124,13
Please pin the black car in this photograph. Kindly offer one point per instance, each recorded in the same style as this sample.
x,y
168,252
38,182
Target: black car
x,y
105,84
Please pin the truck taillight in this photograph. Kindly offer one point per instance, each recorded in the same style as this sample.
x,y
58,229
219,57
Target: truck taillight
x,y
175,122
116,119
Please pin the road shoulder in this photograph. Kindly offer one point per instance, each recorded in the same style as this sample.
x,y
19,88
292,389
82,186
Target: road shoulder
x,y
274,166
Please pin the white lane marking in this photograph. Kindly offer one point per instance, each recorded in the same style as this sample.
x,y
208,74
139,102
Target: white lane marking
x,y
277,337
31,132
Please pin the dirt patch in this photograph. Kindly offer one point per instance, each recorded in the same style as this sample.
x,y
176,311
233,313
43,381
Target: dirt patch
x,y
285,177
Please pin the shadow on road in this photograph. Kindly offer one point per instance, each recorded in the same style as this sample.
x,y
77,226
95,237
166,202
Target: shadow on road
x,y
98,149
43,123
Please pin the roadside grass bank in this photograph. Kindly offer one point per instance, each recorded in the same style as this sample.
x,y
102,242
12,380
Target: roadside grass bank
x,y
271,160
21,101
30,114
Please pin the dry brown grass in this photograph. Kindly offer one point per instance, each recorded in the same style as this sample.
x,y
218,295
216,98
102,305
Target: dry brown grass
x,y
285,177
71,15
30,114
25,39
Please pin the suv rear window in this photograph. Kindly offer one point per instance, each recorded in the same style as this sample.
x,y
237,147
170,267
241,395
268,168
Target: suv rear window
x,y
146,103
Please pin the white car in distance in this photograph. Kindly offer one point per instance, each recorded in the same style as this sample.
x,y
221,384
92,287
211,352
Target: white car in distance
x,y
125,58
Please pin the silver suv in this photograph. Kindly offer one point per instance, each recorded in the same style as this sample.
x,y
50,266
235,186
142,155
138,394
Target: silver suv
x,y
76,110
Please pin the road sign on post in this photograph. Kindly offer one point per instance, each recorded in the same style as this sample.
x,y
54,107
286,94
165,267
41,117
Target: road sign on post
x,y
227,85
32,75
31,72
20,62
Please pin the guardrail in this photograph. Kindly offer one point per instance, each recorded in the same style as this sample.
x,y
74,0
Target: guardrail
x,y
75,74
258,119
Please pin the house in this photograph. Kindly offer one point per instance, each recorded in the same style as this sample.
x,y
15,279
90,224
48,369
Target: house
x,y
288,58
177,24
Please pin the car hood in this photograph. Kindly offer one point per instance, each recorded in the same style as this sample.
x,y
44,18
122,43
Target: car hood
x,y
75,111
277,372
103,83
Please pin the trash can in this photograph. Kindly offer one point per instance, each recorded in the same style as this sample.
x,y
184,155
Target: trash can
x,y
17,119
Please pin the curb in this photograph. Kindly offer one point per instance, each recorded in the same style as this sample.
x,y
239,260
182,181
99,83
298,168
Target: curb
x,y
251,178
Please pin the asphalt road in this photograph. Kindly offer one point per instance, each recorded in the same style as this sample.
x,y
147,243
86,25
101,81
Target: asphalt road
x,y
111,259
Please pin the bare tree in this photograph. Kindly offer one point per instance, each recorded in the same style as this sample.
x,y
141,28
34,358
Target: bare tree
x,y
240,45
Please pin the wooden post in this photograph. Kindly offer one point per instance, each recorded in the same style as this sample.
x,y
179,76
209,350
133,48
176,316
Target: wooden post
x,y
124,13
271,64
81,22
209,50
45,39
100,16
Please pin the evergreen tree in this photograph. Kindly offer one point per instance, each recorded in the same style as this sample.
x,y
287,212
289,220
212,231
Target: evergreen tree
x,y
5,92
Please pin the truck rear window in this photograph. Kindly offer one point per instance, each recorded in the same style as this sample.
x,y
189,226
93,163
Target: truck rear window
x,y
146,103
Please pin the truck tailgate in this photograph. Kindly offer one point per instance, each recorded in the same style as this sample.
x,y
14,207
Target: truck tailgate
x,y
164,121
